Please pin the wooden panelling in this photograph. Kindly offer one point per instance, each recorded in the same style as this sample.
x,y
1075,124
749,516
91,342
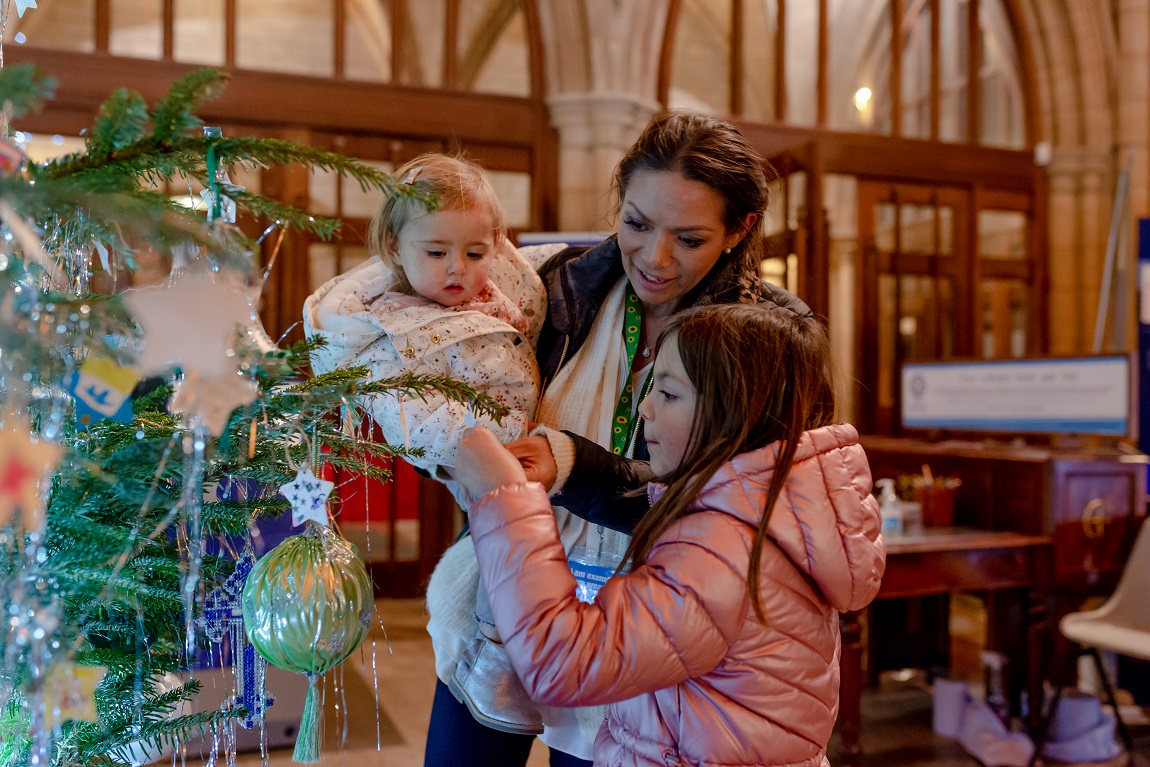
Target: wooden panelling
x,y
896,39
935,68
888,158
1096,518
781,62
281,100
667,51
735,65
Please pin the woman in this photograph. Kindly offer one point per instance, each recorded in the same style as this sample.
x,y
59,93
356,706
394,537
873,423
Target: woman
x,y
692,194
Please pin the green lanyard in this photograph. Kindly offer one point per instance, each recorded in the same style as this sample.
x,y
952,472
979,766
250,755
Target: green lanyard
x,y
625,414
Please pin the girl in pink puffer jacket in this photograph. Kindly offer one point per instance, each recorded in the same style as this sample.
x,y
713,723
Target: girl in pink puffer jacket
x,y
721,645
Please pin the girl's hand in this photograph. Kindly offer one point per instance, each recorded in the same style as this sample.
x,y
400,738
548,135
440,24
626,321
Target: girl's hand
x,y
534,454
482,464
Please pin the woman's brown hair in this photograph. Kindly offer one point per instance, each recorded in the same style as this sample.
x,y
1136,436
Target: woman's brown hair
x,y
762,375
713,152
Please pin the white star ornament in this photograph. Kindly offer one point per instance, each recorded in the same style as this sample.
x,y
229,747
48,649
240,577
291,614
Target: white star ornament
x,y
307,495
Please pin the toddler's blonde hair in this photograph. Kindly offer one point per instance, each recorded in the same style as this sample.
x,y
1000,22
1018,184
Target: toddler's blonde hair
x,y
455,183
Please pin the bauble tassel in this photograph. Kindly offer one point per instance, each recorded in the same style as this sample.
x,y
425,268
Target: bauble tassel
x,y
307,742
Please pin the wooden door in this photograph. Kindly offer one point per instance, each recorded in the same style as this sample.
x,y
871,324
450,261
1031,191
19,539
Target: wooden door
x,y
914,299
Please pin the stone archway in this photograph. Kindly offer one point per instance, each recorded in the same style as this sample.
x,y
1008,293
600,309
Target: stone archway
x,y
1090,81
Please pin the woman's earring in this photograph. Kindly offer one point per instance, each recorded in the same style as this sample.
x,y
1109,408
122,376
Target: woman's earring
x,y
728,250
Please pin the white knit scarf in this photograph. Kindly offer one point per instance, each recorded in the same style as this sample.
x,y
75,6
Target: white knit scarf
x,y
582,399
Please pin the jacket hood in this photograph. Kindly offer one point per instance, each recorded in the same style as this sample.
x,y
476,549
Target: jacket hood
x,y
825,520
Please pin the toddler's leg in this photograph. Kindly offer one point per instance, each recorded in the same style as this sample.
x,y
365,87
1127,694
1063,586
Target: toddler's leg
x,y
484,615
485,680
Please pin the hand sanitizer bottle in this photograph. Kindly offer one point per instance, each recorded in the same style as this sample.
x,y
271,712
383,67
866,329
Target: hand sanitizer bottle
x,y
890,507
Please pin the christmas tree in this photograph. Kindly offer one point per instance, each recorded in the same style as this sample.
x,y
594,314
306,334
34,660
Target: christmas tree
x,y
104,518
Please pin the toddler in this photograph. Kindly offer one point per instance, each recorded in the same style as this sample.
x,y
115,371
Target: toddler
x,y
449,296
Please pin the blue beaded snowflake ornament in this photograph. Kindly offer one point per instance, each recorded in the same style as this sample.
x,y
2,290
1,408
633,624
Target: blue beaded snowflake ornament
x,y
223,616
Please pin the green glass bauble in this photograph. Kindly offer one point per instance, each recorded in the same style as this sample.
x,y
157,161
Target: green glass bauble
x,y
308,602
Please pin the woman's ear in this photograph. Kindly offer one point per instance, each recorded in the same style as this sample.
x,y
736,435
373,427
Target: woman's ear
x,y
734,238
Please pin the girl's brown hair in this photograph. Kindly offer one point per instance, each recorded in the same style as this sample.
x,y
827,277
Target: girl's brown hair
x,y
713,152
762,375
453,182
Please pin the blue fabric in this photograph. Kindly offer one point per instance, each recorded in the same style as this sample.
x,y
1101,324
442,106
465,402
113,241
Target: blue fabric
x,y
454,738
560,759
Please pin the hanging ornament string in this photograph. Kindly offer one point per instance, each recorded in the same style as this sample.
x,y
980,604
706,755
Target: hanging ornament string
x,y
191,505
213,164
223,618
625,413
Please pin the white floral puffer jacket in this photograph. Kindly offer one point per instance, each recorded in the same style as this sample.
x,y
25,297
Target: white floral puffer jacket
x,y
469,346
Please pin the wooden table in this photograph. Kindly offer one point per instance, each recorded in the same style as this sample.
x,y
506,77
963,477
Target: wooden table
x,y
946,561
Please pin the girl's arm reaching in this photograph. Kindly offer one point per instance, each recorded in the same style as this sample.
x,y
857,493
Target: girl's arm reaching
x,y
646,631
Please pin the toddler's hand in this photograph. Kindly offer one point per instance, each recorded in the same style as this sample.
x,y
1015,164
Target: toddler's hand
x,y
534,454
482,464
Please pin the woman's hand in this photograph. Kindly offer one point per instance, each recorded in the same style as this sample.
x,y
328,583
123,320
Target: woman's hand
x,y
482,464
534,454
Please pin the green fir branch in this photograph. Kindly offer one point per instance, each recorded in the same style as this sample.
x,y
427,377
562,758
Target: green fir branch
x,y
23,89
251,152
122,120
174,115
321,226
14,726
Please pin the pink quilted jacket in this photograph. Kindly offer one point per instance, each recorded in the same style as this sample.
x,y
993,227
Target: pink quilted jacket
x,y
693,677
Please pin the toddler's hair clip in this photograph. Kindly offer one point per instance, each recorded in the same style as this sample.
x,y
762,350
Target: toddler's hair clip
x,y
409,179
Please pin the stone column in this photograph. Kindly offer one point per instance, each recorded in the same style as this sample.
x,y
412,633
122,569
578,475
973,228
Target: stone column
x,y
595,131
1080,191
1133,26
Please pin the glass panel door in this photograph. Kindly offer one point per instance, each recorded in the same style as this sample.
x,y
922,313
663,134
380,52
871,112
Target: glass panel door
x,y
912,283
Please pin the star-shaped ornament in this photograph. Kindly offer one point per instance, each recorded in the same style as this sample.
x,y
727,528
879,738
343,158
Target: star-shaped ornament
x,y
307,495
68,693
213,399
191,323
23,5
24,466
252,336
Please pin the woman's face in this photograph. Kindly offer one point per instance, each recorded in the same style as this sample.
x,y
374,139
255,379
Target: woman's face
x,y
671,234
